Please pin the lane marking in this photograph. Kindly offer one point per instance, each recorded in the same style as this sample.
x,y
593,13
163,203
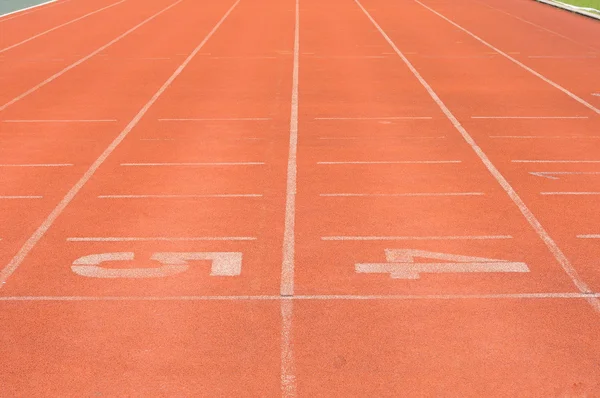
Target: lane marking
x,y
222,119
592,236
286,288
16,261
82,60
402,194
550,174
555,161
529,117
450,237
158,239
551,295
397,162
59,121
60,26
194,164
569,193
545,136
377,118
411,137
563,56
401,264
223,195
38,165
20,197
529,216
2,19
596,94
515,61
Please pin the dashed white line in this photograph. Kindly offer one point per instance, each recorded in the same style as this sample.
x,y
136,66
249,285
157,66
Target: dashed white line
x,y
233,195
529,117
569,193
570,137
193,164
555,161
222,119
59,121
384,238
38,165
377,118
396,162
20,197
591,236
420,194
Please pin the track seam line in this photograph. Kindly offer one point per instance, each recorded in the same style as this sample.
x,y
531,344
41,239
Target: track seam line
x,y
529,216
11,267
60,26
288,366
517,62
82,60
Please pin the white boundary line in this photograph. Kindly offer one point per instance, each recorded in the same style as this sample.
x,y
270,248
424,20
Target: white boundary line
x,y
59,121
158,239
60,26
82,60
24,9
286,302
569,193
20,197
514,60
169,196
591,236
38,165
395,162
193,164
223,119
529,117
449,237
16,261
286,288
573,9
407,194
529,216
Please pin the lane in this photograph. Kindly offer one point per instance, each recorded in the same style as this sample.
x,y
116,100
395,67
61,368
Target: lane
x,y
506,100
405,180
24,67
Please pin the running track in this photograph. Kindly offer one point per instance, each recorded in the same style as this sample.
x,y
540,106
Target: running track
x,y
350,153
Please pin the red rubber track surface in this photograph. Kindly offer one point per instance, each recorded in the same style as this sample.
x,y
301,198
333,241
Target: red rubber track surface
x,y
170,126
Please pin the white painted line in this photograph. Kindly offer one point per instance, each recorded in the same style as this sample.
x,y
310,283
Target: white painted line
x,y
413,270
397,162
20,197
233,195
407,137
592,236
555,161
515,61
421,194
545,136
348,56
563,56
596,94
2,19
243,57
82,60
38,165
59,121
289,243
288,366
60,26
529,117
194,164
529,216
551,174
509,296
16,261
158,238
377,118
222,119
157,139
385,238
587,11
569,193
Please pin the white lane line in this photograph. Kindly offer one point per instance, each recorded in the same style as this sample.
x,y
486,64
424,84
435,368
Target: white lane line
x,y
288,365
158,238
286,311
402,194
384,238
222,119
569,193
193,164
407,137
20,197
563,56
545,136
232,195
596,94
529,117
289,243
551,174
396,162
60,26
529,216
515,61
59,121
38,165
2,19
16,261
377,118
555,161
592,236
82,60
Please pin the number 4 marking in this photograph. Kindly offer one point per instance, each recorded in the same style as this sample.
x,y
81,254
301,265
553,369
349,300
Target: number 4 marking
x,y
173,263
401,264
